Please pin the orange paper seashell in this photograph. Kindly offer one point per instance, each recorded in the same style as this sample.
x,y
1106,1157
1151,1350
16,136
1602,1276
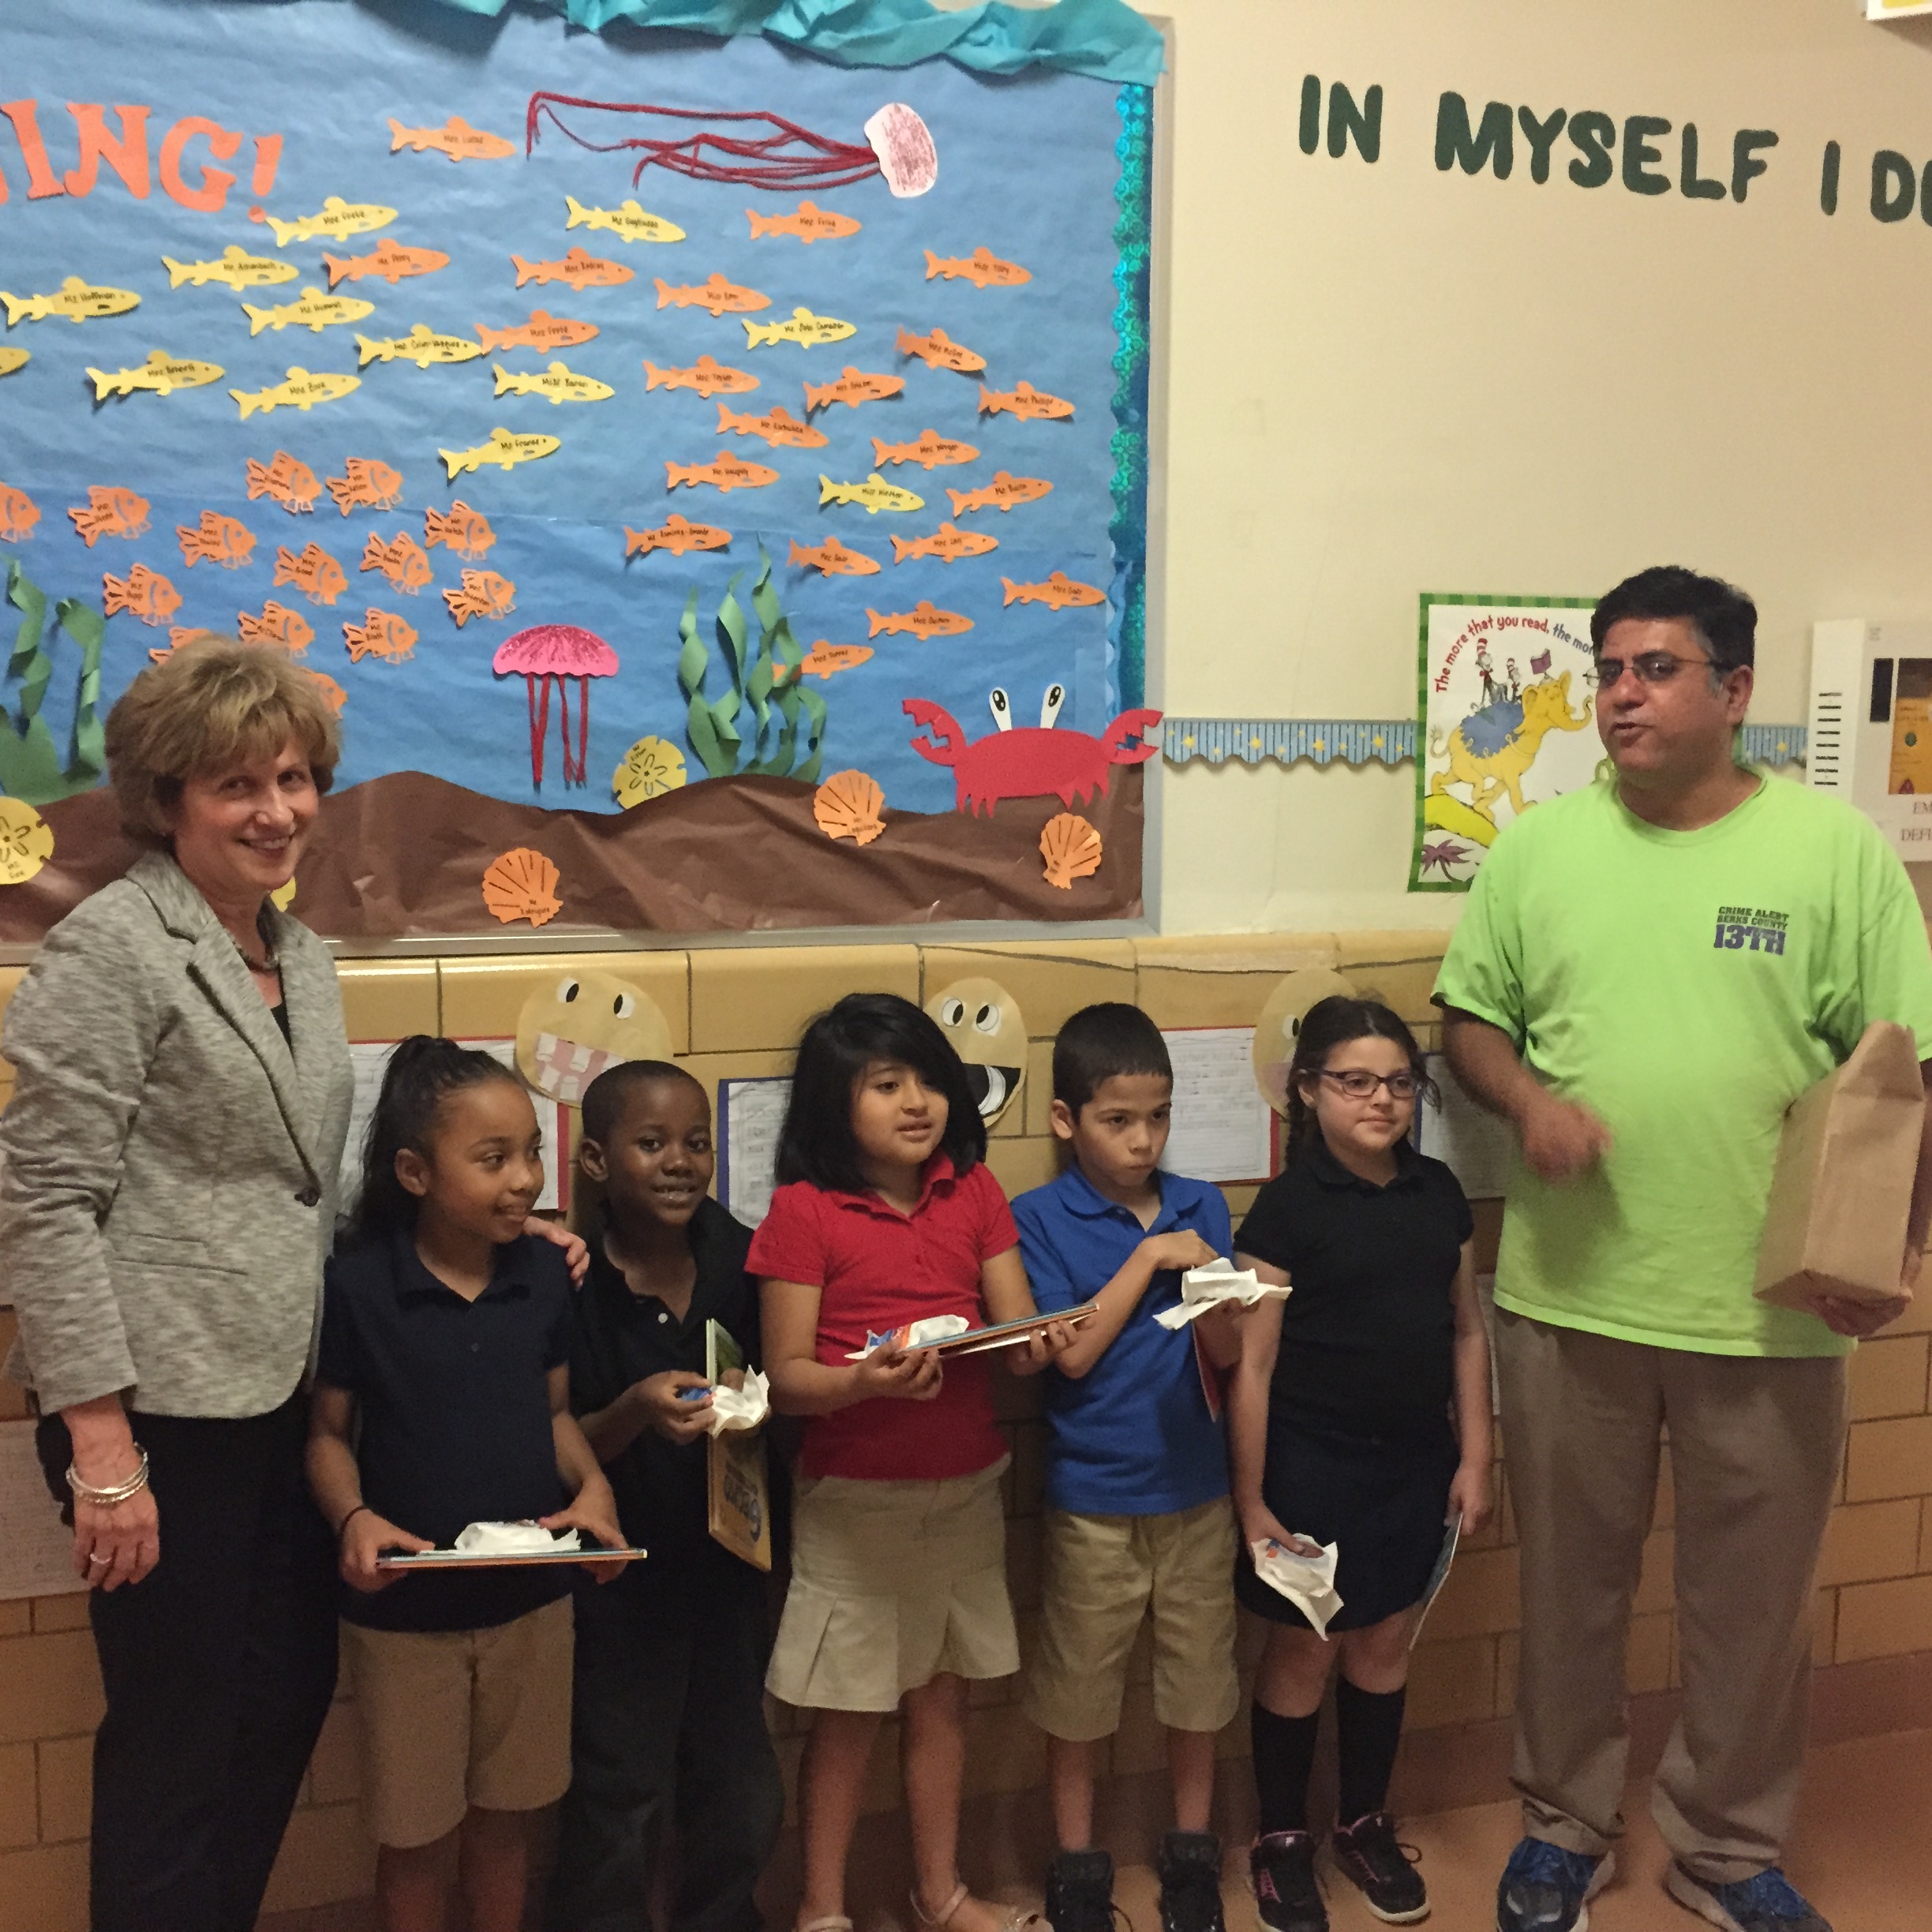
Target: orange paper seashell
x,y
1071,847
522,885
847,806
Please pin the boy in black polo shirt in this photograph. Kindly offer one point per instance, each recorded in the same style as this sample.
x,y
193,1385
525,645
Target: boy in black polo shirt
x,y
669,1707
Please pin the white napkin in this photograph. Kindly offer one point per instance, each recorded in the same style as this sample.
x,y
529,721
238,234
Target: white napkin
x,y
514,1539
1307,1581
1205,1288
739,1408
920,1334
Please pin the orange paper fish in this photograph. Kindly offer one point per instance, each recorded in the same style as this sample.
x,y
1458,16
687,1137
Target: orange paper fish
x,y
542,330
715,294
823,660
580,267
315,573
833,558
365,484
810,223
781,427
19,513
1059,590
291,484
332,693
143,594
853,387
939,351
403,561
726,470
1001,493
923,621
456,138
948,544
932,448
460,528
1024,401
708,376
277,624
484,594
980,267
675,535
390,261
109,512
381,634
217,539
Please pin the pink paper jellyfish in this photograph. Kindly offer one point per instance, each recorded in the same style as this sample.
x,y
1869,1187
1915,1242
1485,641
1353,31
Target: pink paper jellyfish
x,y
545,651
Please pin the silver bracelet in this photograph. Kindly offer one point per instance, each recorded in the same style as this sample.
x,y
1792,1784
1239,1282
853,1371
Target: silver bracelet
x,y
106,1498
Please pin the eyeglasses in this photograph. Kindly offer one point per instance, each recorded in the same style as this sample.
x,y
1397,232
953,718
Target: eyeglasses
x,y
1651,667
1359,1084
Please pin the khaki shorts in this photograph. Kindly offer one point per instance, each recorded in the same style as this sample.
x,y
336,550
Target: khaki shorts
x,y
1103,1574
893,1584
450,1719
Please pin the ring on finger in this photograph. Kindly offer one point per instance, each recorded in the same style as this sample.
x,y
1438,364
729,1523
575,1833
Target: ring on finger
x,y
95,1556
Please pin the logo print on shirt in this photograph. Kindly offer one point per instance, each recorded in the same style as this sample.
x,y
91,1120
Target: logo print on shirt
x,y
1739,927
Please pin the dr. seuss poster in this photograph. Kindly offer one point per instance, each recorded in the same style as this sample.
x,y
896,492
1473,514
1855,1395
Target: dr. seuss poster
x,y
1507,722
705,473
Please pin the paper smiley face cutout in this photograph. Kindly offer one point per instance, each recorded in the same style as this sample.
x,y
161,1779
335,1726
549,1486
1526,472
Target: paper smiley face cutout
x,y
1280,1026
983,1023
573,1027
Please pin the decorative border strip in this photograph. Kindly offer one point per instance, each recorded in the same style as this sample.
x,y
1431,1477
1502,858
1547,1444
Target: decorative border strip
x,y
1356,741
1133,316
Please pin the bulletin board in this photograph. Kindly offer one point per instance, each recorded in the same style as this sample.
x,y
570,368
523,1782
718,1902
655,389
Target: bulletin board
x,y
707,476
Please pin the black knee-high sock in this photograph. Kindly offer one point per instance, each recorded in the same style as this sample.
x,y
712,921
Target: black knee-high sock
x,y
1284,1754
1367,1728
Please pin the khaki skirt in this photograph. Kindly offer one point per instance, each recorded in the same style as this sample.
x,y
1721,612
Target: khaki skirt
x,y
893,1584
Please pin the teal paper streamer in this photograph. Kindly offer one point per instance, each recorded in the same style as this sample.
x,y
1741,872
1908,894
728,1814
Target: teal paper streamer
x,y
1359,741
1133,234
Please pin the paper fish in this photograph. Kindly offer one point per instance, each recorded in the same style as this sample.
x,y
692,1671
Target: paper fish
x,y
780,427
675,535
931,449
714,293
542,330
456,138
580,267
143,594
484,594
235,266
939,351
948,544
557,382
805,328
381,634
277,624
217,539
300,391
875,493
503,449
853,387
74,300
832,559
390,262
923,620
334,697
336,219
727,471
707,377
403,561
981,267
466,531
421,345
809,223
1001,493
315,573
109,512
823,660
161,372
292,485
315,312
1024,401
12,359
19,513
628,222
367,484
1059,590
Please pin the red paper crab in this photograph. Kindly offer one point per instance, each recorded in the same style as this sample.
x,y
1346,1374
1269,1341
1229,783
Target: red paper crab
x,y
1031,761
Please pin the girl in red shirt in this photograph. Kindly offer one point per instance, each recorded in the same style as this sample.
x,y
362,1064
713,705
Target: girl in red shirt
x,y
885,1214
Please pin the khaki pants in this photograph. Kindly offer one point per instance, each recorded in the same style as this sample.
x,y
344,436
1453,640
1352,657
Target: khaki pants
x,y
1755,1447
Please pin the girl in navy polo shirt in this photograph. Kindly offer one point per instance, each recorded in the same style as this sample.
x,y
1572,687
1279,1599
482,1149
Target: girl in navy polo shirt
x,y
884,1216
1341,1430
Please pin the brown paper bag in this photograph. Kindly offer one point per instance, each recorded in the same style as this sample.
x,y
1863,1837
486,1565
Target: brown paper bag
x,y
1842,1189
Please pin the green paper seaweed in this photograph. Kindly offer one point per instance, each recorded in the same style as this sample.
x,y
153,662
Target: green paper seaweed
x,y
30,764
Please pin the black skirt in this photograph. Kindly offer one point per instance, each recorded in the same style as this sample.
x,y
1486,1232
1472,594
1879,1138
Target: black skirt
x,y
1383,1503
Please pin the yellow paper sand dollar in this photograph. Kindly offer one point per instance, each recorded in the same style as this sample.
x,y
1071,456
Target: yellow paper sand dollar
x,y
1276,1031
283,897
651,766
26,841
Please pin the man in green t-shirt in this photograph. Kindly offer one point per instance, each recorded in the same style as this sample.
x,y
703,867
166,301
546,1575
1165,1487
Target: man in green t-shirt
x,y
1647,974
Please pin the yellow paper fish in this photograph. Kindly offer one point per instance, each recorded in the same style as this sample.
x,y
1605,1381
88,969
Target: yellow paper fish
x,y
805,328
161,372
875,493
456,138
503,449
12,359
300,391
558,384
73,299
627,221
315,311
421,345
336,218
236,266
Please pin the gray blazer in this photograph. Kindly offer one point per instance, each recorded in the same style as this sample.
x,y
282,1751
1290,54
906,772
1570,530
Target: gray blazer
x,y
168,1195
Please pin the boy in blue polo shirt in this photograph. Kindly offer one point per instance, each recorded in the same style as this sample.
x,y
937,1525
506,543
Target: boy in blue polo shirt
x,y
1138,1521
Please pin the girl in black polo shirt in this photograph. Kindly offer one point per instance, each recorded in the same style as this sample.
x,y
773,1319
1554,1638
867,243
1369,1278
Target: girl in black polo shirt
x,y
1341,1424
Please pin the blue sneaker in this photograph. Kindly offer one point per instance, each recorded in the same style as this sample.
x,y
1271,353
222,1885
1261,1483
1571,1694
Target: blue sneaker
x,y
1545,1889
1767,1903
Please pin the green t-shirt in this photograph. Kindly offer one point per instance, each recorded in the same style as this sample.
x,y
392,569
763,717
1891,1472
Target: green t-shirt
x,y
1687,987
